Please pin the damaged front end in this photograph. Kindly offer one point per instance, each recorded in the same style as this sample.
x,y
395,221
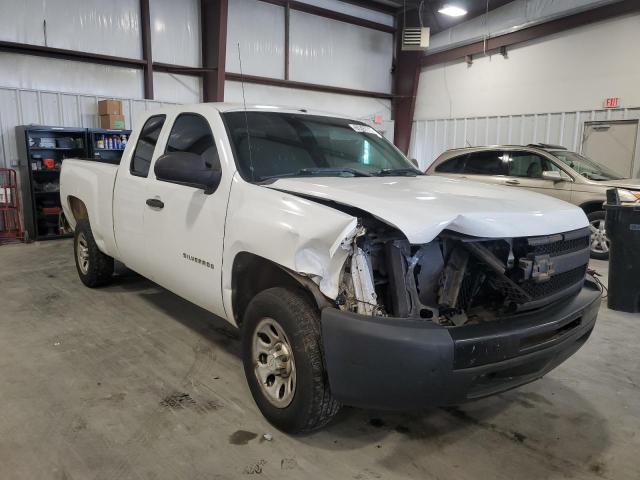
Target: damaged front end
x,y
457,280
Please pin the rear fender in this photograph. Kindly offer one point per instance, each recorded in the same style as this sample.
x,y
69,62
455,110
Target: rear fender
x,y
86,191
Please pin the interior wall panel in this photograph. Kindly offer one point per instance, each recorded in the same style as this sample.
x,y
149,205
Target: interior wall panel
x,y
23,106
111,28
39,73
175,31
575,70
432,137
335,53
259,29
177,88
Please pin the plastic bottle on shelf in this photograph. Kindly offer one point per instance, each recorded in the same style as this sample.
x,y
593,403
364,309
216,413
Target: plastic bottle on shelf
x,y
124,141
100,142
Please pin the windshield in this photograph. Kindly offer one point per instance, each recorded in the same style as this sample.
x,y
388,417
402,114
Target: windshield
x,y
586,167
287,144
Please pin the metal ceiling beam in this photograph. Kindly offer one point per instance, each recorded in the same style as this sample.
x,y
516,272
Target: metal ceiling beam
x,y
278,82
213,16
331,14
64,54
181,69
534,32
147,56
287,39
97,58
378,7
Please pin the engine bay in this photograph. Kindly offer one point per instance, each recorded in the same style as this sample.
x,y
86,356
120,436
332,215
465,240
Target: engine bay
x,y
456,280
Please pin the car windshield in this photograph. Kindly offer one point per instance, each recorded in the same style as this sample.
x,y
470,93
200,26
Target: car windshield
x,y
586,167
272,145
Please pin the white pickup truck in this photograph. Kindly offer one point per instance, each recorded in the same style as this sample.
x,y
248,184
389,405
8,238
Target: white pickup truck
x,y
354,278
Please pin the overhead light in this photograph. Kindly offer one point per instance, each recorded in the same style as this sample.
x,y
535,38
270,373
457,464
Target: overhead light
x,y
452,11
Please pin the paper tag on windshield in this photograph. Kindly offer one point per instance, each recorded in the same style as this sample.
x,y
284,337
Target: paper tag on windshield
x,y
364,129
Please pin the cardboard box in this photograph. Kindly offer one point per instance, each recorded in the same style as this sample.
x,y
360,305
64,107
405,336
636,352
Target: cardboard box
x,y
115,122
109,107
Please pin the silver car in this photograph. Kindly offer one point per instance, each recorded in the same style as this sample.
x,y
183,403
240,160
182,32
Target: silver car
x,y
542,168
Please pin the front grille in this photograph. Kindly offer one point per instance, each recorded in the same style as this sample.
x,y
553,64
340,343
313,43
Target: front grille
x,y
560,251
560,247
543,267
555,284
553,245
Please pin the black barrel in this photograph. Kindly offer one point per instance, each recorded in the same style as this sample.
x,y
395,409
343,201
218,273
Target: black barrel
x,y
623,230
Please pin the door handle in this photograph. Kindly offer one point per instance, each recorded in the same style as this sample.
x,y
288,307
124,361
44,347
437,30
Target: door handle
x,y
512,182
155,203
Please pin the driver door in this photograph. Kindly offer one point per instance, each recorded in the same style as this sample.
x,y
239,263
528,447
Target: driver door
x,y
184,226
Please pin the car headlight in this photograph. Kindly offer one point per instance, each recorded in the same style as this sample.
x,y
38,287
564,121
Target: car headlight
x,y
628,196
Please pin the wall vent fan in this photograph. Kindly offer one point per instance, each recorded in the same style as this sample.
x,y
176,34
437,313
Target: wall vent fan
x,y
415,38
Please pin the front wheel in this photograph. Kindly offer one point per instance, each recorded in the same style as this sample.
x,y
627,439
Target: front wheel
x,y
283,361
599,240
94,267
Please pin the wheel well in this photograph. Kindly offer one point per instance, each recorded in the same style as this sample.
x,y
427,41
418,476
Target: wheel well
x,y
252,274
78,208
591,207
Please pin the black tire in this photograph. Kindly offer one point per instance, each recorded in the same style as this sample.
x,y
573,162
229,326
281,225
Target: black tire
x,y
597,217
312,405
99,268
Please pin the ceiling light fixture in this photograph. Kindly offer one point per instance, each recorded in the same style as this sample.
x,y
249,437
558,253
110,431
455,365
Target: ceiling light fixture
x,y
452,10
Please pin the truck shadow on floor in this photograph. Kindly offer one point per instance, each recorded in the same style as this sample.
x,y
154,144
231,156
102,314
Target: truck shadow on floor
x,y
547,422
212,328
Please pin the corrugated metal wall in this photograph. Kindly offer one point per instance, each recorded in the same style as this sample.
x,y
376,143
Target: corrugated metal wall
x,y
24,106
432,137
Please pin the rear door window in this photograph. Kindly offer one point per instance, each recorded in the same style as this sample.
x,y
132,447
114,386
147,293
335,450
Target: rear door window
x,y
142,155
488,162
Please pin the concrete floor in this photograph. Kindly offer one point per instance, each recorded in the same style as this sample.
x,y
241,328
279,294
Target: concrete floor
x,y
131,382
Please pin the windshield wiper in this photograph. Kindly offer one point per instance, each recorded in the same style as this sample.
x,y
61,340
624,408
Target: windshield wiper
x,y
310,172
390,172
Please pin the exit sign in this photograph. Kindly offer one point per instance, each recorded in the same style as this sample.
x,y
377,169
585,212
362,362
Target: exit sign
x,y
613,102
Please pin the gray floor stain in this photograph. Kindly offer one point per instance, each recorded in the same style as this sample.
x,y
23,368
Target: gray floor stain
x,y
241,437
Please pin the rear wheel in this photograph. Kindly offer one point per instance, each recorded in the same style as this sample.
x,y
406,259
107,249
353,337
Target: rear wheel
x,y
94,267
283,361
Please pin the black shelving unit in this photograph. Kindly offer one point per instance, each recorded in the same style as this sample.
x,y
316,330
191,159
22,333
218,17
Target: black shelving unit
x,y
108,154
42,149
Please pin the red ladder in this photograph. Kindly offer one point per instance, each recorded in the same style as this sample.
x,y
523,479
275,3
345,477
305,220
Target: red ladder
x,y
10,227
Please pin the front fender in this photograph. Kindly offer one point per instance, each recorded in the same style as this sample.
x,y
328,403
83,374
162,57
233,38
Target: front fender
x,y
301,235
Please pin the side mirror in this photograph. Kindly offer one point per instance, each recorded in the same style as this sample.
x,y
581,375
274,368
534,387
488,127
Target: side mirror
x,y
554,176
415,163
187,169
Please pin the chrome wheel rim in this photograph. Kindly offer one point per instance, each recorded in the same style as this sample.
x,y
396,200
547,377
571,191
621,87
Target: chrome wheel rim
x,y
599,240
274,364
82,252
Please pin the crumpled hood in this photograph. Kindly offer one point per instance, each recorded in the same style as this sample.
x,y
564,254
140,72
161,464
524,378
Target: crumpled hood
x,y
421,207
628,183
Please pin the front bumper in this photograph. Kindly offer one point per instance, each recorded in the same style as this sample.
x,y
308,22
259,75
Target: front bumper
x,y
404,364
